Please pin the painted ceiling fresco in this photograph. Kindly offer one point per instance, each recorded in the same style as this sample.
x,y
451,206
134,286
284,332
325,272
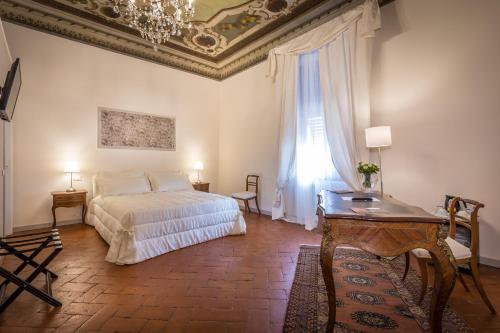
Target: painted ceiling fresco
x,y
220,27
226,37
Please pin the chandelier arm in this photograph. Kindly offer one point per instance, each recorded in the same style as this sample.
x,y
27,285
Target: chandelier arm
x,y
157,20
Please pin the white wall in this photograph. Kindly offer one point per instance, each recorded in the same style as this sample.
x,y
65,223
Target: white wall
x,y
436,81
56,117
249,129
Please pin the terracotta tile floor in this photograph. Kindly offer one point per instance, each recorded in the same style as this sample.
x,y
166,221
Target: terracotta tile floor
x,y
233,284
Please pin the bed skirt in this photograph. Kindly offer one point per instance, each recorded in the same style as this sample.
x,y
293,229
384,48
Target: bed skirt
x,y
125,247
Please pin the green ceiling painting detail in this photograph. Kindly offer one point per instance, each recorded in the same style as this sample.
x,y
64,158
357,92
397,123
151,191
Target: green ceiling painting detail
x,y
206,9
233,26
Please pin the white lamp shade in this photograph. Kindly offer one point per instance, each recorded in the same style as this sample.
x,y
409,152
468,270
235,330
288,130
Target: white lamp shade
x,y
71,166
379,136
198,165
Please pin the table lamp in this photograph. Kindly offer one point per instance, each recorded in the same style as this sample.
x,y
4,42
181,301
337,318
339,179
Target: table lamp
x,y
71,167
378,137
198,166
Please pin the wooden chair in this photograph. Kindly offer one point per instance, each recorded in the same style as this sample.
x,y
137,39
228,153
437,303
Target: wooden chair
x,y
247,195
463,254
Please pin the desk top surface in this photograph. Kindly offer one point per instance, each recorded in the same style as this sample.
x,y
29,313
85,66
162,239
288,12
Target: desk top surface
x,y
386,209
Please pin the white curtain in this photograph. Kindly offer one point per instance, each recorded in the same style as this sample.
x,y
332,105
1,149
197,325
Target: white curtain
x,y
311,168
339,84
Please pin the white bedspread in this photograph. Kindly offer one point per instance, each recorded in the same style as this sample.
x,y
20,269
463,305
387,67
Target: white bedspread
x,y
142,226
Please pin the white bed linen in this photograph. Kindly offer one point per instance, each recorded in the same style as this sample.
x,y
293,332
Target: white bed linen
x,y
141,226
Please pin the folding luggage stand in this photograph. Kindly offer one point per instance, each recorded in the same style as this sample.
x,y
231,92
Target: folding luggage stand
x,y
17,245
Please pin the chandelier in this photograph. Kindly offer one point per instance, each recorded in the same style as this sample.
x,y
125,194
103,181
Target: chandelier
x,y
156,20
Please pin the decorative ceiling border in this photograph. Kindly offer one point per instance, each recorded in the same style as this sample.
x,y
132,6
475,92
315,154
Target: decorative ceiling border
x,y
284,19
18,13
101,21
260,53
21,12
181,47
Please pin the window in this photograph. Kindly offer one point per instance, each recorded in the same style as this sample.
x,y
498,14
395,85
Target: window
x,y
314,162
312,169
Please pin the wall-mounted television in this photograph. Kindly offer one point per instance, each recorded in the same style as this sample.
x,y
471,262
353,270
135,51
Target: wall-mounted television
x,y
10,91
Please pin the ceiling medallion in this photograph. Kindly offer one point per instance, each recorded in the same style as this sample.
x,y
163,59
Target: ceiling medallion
x,y
156,20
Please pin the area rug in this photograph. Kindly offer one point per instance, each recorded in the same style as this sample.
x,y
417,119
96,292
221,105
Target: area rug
x,y
370,296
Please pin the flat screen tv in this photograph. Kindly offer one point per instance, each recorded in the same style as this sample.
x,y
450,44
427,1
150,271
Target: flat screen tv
x,y
10,91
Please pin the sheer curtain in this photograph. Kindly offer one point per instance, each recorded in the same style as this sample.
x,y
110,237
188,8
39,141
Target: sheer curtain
x,y
325,107
312,168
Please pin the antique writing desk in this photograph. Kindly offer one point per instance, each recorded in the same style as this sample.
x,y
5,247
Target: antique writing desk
x,y
395,229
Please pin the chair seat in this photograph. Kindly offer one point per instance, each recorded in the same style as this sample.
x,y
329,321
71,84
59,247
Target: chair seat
x,y
246,195
459,251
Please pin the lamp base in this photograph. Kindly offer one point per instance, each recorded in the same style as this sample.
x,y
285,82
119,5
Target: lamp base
x,y
71,189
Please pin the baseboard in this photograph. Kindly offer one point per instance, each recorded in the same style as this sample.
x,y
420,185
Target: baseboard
x,y
44,225
489,262
61,223
482,260
262,211
254,210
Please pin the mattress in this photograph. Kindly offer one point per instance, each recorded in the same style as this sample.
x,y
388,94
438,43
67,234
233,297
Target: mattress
x,y
142,226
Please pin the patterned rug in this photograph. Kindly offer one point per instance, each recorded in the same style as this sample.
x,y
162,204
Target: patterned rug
x,y
370,296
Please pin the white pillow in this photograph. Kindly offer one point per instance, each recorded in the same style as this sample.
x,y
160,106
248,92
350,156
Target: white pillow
x,y
104,175
170,182
122,186
156,176
120,174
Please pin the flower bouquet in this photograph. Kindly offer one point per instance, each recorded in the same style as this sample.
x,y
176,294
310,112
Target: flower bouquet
x,y
368,170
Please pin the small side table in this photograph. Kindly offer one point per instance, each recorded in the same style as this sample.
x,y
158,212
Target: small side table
x,y
202,186
69,199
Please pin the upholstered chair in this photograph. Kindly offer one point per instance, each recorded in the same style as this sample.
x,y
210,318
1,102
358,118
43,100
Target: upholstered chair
x,y
250,193
462,254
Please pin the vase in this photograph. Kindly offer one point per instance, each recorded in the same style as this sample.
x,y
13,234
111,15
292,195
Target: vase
x,y
369,182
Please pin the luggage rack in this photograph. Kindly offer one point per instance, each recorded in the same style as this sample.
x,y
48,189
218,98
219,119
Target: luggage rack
x,y
27,247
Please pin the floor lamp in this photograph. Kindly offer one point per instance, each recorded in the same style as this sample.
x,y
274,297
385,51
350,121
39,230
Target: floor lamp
x,y
378,137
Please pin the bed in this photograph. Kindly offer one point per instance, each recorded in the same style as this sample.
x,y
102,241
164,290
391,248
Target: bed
x,y
143,216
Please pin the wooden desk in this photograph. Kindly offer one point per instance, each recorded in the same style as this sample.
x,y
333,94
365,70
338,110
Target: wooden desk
x,y
69,199
398,228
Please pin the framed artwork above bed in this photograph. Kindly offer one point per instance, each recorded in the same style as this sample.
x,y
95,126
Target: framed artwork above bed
x,y
131,130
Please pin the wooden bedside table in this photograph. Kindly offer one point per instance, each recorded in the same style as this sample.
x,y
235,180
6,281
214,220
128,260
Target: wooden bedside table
x,y
69,199
202,186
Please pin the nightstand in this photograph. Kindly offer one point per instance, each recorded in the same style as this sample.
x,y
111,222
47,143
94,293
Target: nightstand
x,y
202,186
69,199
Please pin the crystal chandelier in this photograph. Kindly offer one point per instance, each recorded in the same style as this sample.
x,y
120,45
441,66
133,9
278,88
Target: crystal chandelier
x,y
156,20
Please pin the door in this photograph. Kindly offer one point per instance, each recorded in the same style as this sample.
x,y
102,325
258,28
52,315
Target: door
x,y
1,179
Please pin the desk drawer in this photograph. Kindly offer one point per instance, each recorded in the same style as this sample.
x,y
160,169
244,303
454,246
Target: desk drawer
x,y
69,200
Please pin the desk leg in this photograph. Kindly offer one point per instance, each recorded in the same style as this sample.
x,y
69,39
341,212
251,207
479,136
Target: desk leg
x,y
326,259
444,281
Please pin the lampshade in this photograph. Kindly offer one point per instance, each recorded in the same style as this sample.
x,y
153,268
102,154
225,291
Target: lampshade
x,y
71,166
379,136
198,165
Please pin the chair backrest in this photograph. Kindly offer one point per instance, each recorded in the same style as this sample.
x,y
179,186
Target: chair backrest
x,y
449,198
253,181
472,224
